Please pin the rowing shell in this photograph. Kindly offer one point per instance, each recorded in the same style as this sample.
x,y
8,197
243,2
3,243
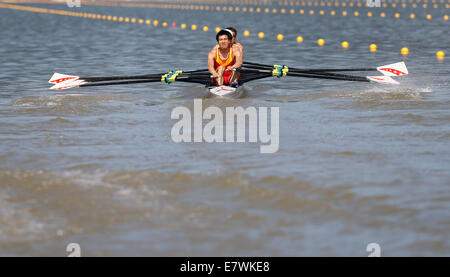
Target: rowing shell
x,y
225,91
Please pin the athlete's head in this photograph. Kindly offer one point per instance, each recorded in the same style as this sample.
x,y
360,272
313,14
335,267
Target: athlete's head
x,y
233,30
224,38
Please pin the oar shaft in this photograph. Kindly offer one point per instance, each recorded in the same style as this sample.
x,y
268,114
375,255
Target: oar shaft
x,y
298,70
138,77
201,79
121,83
333,77
311,75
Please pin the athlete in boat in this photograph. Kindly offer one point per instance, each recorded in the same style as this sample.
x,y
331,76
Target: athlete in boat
x,y
236,45
223,60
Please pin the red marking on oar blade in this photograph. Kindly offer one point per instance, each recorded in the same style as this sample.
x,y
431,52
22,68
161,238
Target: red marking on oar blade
x,y
381,79
57,81
393,71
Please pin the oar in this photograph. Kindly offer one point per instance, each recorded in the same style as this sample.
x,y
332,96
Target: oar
x,y
395,69
63,81
201,79
305,74
139,81
58,78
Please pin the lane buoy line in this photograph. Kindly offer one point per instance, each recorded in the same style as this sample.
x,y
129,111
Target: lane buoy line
x,y
370,14
213,5
280,37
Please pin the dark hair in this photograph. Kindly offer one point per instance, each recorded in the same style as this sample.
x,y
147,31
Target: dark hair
x,y
233,30
223,32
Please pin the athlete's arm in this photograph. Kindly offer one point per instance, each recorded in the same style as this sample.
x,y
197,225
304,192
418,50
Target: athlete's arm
x,y
238,63
211,57
240,47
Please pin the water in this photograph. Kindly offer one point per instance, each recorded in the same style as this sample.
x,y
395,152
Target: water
x,y
357,162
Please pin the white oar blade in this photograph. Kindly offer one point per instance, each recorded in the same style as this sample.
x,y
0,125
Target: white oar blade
x,y
382,80
395,69
68,84
58,78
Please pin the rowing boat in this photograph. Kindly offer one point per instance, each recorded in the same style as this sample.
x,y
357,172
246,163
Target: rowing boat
x,y
248,72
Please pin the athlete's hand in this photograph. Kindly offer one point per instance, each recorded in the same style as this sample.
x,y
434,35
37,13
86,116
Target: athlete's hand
x,y
230,68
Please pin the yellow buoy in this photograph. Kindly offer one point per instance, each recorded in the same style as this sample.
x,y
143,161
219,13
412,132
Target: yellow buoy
x,y
246,33
133,20
280,37
141,21
373,47
412,16
445,17
148,22
218,29
440,54
344,44
397,15
261,35
194,27
164,24
183,26
320,41
332,13
369,14
356,13
205,29
344,13
404,51
155,23
429,16
299,39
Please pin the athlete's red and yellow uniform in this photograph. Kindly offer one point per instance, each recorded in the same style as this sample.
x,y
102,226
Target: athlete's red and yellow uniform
x,y
229,61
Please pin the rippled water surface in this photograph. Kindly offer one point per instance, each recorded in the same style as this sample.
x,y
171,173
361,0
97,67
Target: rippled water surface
x,y
357,162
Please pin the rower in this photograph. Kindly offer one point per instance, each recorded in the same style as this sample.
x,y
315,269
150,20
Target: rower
x,y
236,45
223,60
